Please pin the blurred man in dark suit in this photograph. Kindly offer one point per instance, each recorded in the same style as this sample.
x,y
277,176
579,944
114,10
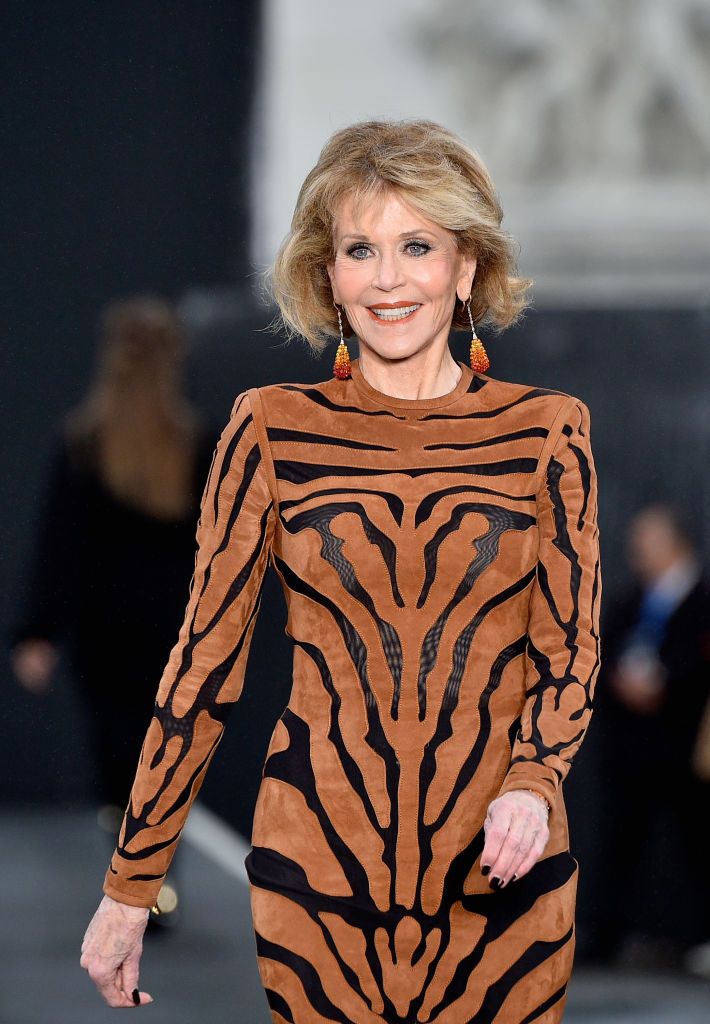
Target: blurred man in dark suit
x,y
653,691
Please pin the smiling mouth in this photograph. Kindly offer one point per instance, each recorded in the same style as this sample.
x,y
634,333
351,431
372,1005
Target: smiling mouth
x,y
397,313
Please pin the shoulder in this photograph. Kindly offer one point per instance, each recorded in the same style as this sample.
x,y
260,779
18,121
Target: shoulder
x,y
290,399
546,406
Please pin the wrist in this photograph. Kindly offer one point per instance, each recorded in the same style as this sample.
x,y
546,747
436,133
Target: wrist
x,y
127,908
540,797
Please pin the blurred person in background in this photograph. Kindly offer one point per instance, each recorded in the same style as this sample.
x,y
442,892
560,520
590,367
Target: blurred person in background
x,y
652,697
115,545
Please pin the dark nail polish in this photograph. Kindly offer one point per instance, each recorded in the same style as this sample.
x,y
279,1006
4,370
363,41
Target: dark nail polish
x,y
485,869
136,996
495,882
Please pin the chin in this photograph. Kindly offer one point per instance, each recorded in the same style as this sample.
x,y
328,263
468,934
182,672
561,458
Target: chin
x,y
394,348
394,352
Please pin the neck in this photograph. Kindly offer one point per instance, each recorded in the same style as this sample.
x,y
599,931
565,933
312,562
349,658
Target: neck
x,y
426,374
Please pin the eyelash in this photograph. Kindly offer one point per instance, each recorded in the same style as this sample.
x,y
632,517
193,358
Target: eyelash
x,y
361,245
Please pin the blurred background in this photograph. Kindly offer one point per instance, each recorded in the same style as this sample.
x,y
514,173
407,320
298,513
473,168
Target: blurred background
x,y
153,157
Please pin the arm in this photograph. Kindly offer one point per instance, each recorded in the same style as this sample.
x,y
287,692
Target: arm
x,y
205,671
46,600
563,648
45,612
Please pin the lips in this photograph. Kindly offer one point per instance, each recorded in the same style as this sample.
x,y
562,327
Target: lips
x,y
393,305
393,312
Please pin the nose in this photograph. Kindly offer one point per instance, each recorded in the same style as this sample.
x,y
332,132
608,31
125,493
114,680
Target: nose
x,y
389,273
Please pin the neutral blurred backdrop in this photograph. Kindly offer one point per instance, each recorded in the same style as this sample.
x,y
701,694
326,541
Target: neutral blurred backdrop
x,y
158,148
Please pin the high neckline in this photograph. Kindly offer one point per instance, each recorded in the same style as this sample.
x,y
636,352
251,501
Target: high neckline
x,y
411,403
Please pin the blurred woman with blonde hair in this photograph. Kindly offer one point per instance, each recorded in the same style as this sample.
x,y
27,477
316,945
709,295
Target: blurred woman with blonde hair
x,y
115,546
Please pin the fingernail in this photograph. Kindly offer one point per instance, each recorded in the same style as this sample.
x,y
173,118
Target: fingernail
x,y
495,882
136,997
485,869
514,876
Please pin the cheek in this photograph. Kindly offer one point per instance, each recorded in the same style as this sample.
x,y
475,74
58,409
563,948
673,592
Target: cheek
x,y
431,278
434,278
351,280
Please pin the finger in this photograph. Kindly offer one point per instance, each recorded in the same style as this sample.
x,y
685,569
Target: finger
x,y
503,813
128,977
108,982
533,856
119,998
529,824
496,829
129,983
501,867
111,993
527,842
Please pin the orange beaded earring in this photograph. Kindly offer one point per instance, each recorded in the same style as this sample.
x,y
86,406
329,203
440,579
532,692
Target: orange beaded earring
x,y
341,366
478,356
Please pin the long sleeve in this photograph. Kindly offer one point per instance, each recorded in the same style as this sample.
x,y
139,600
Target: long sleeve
x,y
563,648
46,610
205,671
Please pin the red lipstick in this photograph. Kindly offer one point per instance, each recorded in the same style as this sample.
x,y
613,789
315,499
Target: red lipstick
x,y
393,305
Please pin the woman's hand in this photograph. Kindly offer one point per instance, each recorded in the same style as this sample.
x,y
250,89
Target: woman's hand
x,y
111,952
33,662
516,835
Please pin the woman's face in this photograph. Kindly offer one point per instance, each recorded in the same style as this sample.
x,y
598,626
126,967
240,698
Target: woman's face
x,y
140,346
393,256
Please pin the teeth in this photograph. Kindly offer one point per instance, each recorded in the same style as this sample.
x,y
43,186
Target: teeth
x,y
395,314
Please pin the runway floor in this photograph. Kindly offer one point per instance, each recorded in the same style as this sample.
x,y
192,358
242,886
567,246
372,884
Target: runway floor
x,y
203,972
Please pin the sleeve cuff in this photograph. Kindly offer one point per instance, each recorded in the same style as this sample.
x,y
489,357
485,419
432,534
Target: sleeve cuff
x,y
145,899
530,775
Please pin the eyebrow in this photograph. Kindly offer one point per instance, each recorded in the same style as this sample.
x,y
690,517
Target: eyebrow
x,y
405,234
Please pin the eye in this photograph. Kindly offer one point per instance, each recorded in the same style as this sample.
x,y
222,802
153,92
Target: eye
x,y
421,248
358,247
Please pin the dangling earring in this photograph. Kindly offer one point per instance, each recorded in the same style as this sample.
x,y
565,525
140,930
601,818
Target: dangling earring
x,y
478,356
341,366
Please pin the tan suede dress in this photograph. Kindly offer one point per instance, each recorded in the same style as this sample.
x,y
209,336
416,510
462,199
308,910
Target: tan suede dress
x,y
440,563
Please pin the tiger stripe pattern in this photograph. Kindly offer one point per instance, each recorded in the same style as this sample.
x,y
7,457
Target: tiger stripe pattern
x,y
440,564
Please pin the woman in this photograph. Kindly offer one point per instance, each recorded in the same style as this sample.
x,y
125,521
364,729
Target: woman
x,y
435,533
129,463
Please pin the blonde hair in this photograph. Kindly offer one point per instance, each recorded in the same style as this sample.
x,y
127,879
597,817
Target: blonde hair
x,y
433,171
134,417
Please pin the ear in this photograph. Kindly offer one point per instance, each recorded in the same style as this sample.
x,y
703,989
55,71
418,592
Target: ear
x,y
330,268
465,281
